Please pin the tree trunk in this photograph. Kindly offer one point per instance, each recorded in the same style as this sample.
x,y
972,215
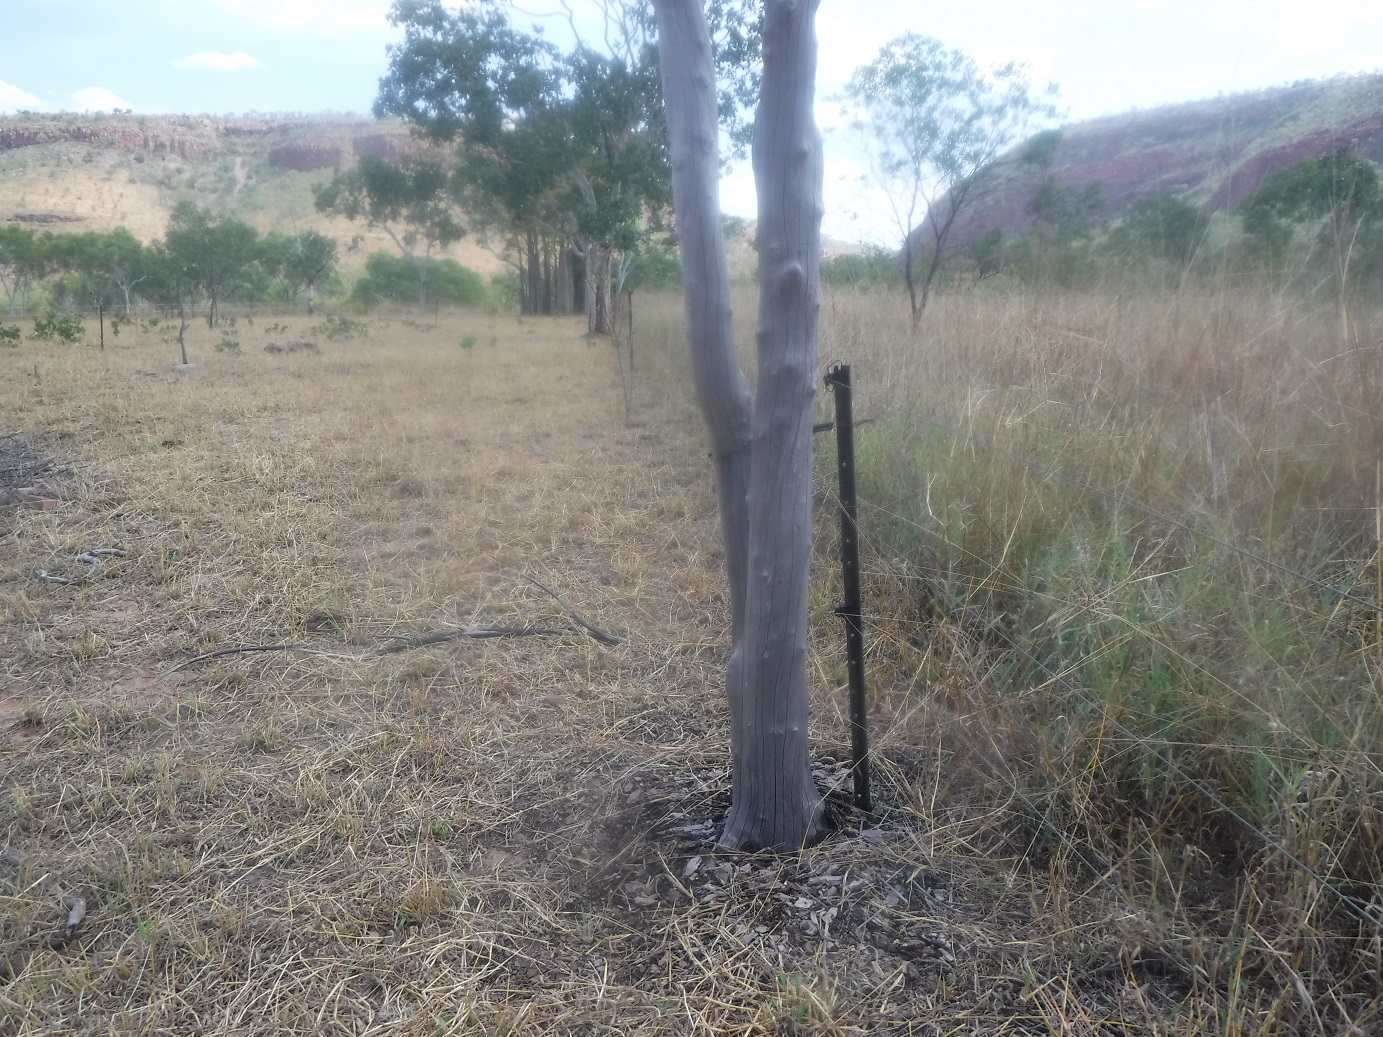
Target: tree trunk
x,y
420,268
535,274
547,276
182,331
563,279
909,279
763,452
598,276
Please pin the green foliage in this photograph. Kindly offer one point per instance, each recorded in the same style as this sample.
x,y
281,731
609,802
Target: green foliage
x,y
390,278
1060,246
218,259
1342,186
1064,213
101,271
549,139
24,260
228,345
504,288
61,326
988,253
1165,226
9,334
340,327
415,203
868,269
1332,205
469,342
451,282
299,262
657,266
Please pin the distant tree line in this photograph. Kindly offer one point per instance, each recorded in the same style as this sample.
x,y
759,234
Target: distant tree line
x,y
201,259
1314,227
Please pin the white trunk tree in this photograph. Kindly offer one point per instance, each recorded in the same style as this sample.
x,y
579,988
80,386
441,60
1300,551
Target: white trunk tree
x,y
762,448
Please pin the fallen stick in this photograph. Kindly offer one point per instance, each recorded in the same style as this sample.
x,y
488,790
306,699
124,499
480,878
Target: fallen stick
x,y
595,632
396,646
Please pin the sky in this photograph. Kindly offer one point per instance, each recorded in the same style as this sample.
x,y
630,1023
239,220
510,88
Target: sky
x,y
1107,56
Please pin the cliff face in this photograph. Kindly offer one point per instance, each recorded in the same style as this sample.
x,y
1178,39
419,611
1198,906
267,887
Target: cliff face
x,y
303,144
1215,153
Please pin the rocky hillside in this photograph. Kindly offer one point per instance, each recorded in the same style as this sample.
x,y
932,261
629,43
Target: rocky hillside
x,y
95,172
1214,152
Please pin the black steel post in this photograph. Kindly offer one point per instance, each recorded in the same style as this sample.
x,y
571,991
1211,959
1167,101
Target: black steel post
x,y
838,379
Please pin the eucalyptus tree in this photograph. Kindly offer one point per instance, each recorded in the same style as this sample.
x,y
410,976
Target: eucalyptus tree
x,y
762,447
414,203
108,268
471,79
172,284
557,149
24,261
932,123
300,261
221,255
505,98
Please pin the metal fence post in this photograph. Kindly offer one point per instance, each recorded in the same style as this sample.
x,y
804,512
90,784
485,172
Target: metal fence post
x,y
838,380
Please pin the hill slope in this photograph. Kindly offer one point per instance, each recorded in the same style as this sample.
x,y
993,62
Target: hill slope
x,y
1214,152
95,172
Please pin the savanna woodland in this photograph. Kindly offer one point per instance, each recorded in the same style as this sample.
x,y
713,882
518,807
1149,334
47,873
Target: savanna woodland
x,y
397,644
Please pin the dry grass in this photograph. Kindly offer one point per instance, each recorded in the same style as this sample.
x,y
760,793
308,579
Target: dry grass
x,y
1130,684
505,836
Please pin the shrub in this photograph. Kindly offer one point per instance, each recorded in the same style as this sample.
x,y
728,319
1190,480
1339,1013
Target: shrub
x,y
390,278
9,334
228,345
469,342
339,327
504,288
62,326
871,268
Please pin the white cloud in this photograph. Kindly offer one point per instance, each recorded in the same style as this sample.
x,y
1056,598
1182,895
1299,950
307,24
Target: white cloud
x,y
218,60
313,14
13,99
98,99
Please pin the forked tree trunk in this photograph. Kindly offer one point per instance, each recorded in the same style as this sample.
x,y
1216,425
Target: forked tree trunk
x,y
763,450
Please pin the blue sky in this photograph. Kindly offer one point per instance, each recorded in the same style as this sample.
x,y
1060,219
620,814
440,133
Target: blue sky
x,y
235,56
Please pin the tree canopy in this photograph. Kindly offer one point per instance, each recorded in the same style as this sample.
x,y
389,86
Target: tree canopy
x,y
560,155
414,203
933,122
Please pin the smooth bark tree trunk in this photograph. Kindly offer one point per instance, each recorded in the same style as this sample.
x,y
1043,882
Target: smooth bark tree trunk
x,y
564,292
535,274
599,320
762,451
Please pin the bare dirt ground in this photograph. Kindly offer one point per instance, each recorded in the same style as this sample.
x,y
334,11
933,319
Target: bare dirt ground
x,y
510,835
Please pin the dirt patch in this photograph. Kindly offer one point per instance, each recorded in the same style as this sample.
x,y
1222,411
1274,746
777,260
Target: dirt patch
x,y
26,477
